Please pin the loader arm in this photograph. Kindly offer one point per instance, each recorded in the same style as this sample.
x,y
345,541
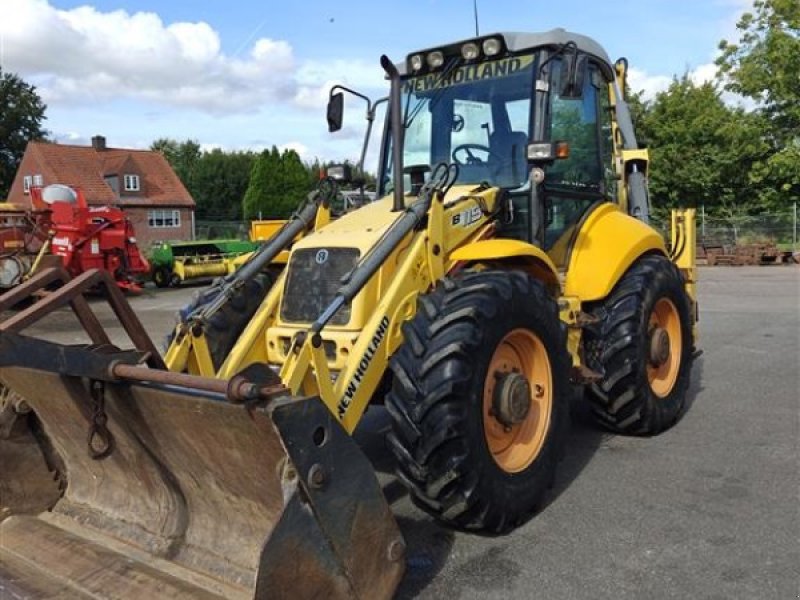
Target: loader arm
x,y
188,349
420,244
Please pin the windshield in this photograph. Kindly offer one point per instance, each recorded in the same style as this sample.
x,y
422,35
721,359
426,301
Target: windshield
x,y
476,115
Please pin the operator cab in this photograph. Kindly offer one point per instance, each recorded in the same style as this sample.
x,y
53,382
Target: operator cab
x,y
490,104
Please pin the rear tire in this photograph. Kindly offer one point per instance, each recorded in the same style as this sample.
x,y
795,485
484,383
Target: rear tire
x,y
469,335
635,396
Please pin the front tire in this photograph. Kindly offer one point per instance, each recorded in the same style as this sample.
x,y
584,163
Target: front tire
x,y
161,277
223,328
643,347
482,347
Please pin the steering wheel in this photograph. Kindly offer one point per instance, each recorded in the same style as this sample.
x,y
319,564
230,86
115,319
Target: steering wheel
x,y
471,159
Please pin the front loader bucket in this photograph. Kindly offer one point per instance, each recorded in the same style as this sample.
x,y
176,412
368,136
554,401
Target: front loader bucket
x,y
193,496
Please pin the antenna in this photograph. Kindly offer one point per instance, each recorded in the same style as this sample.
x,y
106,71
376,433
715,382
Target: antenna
x,y
475,8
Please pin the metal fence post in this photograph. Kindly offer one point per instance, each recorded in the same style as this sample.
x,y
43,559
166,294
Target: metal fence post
x,y
703,222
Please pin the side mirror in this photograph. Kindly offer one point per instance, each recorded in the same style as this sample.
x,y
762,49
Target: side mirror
x,y
335,111
574,68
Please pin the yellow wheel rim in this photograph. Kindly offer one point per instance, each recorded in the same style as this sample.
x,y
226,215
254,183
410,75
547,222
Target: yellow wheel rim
x,y
663,371
514,447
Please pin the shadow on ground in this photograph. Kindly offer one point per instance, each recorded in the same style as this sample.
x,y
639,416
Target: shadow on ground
x,y
428,542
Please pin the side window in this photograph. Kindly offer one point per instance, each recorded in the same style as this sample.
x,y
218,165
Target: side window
x,y
417,143
418,135
574,184
606,135
574,120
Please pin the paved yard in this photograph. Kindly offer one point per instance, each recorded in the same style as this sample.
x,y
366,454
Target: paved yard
x,y
709,509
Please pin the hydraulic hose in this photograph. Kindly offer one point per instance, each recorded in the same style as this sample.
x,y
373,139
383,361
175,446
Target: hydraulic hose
x,y
266,254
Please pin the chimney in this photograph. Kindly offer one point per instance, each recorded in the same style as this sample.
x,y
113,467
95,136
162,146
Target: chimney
x,y
99,143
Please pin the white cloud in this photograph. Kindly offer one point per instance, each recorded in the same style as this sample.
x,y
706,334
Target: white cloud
x,y
301,149
640,81
83,54
359,75
706,73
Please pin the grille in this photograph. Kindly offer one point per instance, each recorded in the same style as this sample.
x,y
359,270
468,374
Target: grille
x,y
314,276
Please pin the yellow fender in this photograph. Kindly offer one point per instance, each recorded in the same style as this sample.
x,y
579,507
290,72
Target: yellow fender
x,y
515,252
607,245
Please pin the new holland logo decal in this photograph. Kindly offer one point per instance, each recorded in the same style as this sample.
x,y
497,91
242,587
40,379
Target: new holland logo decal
x,y
494,69
363,365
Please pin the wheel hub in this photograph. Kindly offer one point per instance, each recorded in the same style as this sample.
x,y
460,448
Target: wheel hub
x,y
659,347
512,399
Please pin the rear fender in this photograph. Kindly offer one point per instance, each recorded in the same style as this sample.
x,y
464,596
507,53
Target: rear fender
x,y
608,243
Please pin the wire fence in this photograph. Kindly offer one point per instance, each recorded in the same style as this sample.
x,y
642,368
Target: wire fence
x,y
779,228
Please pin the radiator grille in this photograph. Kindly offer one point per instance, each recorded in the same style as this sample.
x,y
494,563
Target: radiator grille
x,y
311,283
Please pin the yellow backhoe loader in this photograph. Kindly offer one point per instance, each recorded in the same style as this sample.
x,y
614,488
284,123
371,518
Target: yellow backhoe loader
x,y
509,259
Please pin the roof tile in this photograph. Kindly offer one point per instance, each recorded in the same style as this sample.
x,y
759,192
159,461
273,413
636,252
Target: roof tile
x,y
85,167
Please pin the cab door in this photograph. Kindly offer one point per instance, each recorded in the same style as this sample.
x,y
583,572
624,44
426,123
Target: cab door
x,y
573,186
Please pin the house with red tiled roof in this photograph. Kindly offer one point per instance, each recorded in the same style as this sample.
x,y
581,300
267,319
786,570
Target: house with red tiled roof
x,y
141,182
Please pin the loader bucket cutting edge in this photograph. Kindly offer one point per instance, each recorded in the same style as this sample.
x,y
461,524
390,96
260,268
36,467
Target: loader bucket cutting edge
x,y
200,498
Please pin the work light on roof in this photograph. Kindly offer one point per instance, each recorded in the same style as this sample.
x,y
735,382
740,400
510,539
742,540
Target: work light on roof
x,y
470,51
435,59
416,62
491,47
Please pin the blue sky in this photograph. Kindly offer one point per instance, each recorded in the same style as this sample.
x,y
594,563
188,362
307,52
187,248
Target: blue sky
x,y
250,74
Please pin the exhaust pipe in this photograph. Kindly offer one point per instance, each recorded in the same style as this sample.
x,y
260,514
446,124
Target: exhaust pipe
x,y
398,132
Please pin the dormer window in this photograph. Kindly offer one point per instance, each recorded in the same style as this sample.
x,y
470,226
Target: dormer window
x,y
131,183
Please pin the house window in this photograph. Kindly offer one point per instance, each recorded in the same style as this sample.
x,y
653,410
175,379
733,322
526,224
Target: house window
x,y
160,219
38,181
26,184
131,183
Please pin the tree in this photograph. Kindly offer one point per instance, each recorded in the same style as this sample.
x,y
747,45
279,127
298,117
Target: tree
x,y
278,182
764,66
219,182
182,156
702,150
21,117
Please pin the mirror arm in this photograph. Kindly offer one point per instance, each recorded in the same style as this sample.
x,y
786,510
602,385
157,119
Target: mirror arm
x,y
371,107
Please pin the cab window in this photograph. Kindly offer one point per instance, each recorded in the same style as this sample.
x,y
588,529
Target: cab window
x,y
574,184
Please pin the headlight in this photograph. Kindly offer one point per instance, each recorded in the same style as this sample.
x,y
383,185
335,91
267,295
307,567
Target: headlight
x,y
540,151
416,62
470,51
435,59
491,47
